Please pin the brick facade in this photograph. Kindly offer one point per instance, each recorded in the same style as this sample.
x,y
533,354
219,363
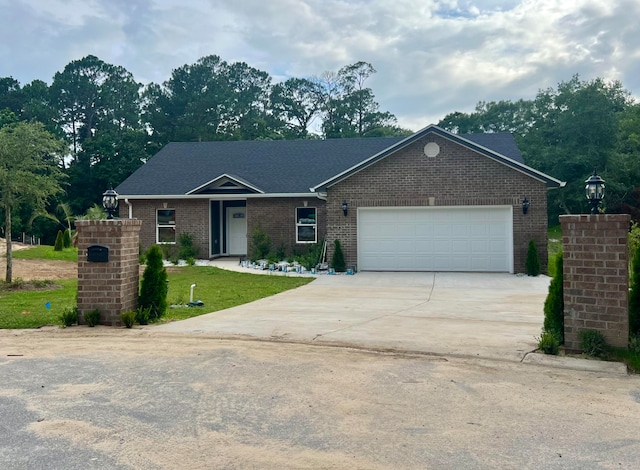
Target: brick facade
x,y
277,217
595,277
112,287
192,216
456,177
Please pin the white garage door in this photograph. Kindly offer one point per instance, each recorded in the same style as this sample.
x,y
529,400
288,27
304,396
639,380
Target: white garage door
x,y
435,239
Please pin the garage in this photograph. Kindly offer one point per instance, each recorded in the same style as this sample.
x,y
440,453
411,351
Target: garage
x,y
476,238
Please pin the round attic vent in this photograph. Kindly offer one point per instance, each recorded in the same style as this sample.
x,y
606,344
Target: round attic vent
x,y
431,149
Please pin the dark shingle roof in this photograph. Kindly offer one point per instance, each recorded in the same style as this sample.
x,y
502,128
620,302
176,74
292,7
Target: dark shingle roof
x,y
283,166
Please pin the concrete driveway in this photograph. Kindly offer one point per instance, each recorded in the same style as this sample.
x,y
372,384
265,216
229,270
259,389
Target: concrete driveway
x,y
494,316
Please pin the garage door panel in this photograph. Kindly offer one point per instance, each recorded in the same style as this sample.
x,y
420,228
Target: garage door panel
x,y
435,239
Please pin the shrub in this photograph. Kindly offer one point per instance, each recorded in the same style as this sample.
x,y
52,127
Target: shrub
x,y
92,318
128,318
186,249
142,315
554,303
532,265
634,294
593,343
549,343
66,239
69,316
338,258
261,244
59,244
309,256
153,291
191,261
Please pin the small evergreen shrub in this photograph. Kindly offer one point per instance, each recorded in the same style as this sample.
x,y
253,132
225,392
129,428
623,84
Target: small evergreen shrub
x,y
261,244
593,343
532,265
153,290
59,244
554,303
186,249
66,239
549,343
338,258
128,318
634,295
191,261
69,316
142,315
92,318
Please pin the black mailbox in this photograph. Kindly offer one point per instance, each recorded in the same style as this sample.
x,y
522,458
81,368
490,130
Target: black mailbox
x,y
98,254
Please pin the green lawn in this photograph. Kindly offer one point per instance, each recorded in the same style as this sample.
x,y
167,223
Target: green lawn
x,y
217,288
47,252
27,309
220,289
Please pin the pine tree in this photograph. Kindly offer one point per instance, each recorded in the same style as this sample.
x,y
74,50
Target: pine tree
x,y
153,291
532,265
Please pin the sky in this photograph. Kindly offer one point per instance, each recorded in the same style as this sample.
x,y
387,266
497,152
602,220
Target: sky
x,y
432,57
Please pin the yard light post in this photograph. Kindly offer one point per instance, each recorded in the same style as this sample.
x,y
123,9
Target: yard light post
x,y
110,202
594,190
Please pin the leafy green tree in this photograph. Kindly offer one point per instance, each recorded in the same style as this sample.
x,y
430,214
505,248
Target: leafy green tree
x,y
153,289
296,102
29,172
349,107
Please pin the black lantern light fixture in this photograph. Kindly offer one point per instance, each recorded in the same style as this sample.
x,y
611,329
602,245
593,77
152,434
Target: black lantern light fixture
x,y
110,202
525,205
594,191
345,208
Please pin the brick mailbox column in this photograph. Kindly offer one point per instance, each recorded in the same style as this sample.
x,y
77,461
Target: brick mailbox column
x,y
108,267
595,277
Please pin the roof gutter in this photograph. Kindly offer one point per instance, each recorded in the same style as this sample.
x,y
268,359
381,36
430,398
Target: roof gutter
x,y
220,197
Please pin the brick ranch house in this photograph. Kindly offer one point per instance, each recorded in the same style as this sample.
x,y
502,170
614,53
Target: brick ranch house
x,y
433,201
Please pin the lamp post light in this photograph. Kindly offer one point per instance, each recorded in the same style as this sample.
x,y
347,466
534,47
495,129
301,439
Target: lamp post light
x,y
594,190
110,202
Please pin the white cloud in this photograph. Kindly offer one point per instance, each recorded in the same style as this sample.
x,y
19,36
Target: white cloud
x,y
433,57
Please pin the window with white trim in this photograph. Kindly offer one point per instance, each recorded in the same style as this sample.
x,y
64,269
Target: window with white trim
x,y
166,226
306,225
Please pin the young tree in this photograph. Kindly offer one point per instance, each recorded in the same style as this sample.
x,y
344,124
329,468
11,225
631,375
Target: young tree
x,y
29,172
153,289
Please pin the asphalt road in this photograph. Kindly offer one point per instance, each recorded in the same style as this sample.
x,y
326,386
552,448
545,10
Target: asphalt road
x,y
103,398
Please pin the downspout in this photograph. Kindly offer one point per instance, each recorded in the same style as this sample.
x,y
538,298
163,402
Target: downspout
x,y
130,208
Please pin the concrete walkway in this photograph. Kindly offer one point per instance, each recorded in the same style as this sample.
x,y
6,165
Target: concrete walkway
x,y
494,316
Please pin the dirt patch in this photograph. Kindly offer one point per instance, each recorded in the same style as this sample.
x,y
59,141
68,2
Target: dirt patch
x,y
30,269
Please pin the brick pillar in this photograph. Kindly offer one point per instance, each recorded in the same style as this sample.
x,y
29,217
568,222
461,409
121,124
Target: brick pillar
x,y
110,286
595,277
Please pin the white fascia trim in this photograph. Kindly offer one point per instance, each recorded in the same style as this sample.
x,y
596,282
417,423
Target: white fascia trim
x,y
215,197
225,175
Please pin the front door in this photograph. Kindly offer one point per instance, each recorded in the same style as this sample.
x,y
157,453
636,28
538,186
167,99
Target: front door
x,y
236,230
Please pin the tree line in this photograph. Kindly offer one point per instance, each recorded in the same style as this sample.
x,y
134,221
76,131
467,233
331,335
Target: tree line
x,y
567,132
111,124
